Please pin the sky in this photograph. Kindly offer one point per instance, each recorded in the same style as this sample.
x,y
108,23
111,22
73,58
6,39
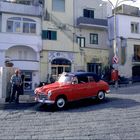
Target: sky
x,y
129,2
137,3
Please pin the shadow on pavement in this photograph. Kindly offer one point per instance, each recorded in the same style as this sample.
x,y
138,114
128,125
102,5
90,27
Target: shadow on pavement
x,y
92,104
45,108
13,106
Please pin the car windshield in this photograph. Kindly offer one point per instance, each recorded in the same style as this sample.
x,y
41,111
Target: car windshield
x,y
65,78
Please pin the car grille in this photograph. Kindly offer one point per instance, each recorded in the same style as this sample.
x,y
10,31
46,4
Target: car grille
x,y
42,97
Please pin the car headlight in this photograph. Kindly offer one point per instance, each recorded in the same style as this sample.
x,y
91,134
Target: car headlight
x,y
49,93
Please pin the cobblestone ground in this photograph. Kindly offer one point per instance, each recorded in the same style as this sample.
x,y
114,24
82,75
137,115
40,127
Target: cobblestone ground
x,y
118,117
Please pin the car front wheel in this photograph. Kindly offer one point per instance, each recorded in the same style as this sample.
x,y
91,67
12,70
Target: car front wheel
x,y
60,102
101,96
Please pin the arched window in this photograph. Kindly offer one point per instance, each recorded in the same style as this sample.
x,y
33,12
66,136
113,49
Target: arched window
x,y
21,25
61,61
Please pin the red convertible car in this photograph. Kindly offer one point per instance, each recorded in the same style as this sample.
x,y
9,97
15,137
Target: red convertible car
x,y
72,87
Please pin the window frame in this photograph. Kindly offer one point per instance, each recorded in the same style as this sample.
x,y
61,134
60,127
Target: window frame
x,y
55,5
135,27
92,41
21,22
9,27
49,35
79,41
91,79
89,13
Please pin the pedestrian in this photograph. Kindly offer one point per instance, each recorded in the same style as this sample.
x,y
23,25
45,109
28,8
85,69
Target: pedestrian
x,y
22,84
16,82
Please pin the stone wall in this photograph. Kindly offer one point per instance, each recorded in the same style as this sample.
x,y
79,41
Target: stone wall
x,y
5,75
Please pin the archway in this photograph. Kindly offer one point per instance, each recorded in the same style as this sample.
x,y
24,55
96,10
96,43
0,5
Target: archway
x,y
26,59
20,52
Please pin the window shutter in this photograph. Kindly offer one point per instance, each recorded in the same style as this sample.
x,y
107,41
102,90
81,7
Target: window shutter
x,y
53,35
44,34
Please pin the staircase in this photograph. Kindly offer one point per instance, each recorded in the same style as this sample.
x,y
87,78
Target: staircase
x,y
67,29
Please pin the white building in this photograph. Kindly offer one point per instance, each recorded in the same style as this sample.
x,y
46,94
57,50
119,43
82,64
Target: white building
x,y
128,39
20,38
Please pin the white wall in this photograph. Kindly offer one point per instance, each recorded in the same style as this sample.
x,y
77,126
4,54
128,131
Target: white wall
x,y
12,39
27,65
67,16
8,40
123,27
101,12
2,56
102,38
32,41
6,16
5,75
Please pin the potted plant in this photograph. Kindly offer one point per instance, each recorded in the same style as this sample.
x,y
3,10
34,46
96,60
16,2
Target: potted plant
x,y
8,63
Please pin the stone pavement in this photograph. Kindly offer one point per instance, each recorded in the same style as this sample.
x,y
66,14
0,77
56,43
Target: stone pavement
x,y
118,117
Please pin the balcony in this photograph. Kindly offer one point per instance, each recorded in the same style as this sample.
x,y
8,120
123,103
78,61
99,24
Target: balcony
x,y
34,41
28,64
92,23
31,10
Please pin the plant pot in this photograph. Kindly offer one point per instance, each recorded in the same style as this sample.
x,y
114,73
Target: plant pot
x,y
9,64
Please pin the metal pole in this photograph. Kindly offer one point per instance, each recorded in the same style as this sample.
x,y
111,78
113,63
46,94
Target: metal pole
x,y
115,43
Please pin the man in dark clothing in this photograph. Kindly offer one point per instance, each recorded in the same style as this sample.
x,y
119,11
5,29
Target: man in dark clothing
x,y
16,82
22,85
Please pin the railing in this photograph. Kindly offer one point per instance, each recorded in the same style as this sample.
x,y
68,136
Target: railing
x,y
20,9
84,21
67,29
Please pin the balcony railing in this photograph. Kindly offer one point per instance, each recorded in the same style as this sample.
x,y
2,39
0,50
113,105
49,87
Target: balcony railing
x,y
89,22
20,9
30,64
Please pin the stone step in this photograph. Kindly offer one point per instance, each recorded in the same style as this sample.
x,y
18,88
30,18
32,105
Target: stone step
x,y
22,99
26,98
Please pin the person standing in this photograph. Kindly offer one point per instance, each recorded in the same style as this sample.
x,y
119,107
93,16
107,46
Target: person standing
x,y
22,84
16,82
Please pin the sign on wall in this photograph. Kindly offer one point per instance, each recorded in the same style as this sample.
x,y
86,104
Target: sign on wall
x,y
54,55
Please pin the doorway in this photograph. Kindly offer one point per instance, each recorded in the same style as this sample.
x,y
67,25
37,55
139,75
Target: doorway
x,y
59,66
94,67
27,80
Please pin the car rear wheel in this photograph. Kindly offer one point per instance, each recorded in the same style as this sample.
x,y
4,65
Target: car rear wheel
x,y
60,102
101,95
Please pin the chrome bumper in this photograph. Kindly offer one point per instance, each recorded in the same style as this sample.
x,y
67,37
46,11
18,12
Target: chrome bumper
x,y
108,91
44,101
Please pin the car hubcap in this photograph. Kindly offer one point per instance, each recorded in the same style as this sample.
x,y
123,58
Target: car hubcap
x,y
60,103
101,95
